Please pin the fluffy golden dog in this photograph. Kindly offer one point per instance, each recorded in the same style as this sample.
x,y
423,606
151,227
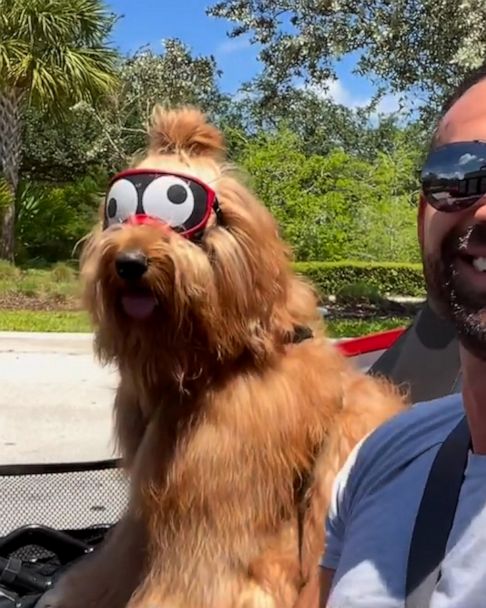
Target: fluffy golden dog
x,y
234,411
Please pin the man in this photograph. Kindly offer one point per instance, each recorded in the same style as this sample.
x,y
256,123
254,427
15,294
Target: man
x,y
378,492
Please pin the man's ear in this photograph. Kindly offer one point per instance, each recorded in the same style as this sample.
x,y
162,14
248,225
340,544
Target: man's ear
x,y
420,220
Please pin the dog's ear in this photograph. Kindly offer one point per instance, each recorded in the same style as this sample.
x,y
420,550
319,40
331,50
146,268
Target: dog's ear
x,y
184,129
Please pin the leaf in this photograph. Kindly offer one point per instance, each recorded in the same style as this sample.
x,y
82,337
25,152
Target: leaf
x,y
57,51
420,49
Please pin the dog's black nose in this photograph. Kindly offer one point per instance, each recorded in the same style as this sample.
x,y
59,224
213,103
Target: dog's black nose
x,y
131,265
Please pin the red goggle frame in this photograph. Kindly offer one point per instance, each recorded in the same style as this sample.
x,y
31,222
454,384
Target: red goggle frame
x,y
150,196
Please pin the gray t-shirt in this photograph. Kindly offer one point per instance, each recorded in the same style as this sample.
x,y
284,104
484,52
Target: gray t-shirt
x,y
375,502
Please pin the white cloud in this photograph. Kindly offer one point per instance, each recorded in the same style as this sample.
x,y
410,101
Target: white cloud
x,y
233,45
466,158
339,93
388,104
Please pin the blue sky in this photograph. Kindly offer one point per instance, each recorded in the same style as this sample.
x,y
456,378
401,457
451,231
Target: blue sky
x,y
150,21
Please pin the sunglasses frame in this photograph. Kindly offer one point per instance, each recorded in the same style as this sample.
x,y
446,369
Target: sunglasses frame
x,y
212,199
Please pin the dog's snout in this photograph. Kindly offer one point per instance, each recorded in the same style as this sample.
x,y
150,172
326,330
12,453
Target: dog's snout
x,y
131,265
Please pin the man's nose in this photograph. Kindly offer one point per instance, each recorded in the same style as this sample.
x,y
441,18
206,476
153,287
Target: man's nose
x,y
479,211
131,265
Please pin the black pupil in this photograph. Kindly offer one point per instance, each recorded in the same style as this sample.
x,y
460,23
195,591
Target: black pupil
x,y
177,194
112,207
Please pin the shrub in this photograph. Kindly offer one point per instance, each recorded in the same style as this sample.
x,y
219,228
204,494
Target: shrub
x,y
52,219
337,206
8,270
63,273
28,287
390,278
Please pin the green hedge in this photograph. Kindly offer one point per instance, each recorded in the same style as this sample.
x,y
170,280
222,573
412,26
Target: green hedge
x,y
389,278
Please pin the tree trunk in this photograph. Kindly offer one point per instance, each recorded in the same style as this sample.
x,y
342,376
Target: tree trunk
x,y
10,151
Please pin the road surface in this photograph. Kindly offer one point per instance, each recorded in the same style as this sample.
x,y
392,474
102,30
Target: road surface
x,y
55,400
55,406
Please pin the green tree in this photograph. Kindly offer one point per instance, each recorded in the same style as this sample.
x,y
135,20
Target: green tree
x,y
61,148
52,53
107,135
423,46
386,227
314,198
170,78
321,124
337,205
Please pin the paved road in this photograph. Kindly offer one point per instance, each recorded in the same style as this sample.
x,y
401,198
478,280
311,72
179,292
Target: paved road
x,y
55,400
55,406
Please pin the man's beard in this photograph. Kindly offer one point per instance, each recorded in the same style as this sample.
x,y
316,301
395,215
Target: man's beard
x,y
450,294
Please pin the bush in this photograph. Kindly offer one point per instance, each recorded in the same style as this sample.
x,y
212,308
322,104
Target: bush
x,y
313,198
8,270
390,278
52,219
337,206
62,273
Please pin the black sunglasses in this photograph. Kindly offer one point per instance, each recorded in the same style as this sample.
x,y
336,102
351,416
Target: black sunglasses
x,y
454,175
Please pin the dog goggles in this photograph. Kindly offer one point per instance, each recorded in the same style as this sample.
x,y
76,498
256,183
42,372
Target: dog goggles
x,y
454,176
149,196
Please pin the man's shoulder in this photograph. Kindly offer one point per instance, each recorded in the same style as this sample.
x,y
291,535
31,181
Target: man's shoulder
x,y
404,438
385,470
423,424
427,420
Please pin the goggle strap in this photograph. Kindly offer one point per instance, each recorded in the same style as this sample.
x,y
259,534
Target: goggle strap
x,y
198,236
218,211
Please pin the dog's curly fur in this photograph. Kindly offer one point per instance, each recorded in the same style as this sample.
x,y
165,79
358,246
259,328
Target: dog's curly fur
x,y
218,414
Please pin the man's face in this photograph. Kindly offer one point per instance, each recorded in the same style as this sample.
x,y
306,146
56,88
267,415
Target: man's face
x,y
453,244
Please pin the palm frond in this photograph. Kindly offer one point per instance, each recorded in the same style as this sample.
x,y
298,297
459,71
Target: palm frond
x,y
6,194
57,50
12,52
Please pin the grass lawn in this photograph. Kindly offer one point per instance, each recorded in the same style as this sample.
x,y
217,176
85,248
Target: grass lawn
x,y
48,301
75,321
43,321
350,328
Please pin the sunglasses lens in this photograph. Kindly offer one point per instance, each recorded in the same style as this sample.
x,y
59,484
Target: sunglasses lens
x,y
454,176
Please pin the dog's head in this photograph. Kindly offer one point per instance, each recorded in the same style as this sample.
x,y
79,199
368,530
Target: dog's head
x,y
187,262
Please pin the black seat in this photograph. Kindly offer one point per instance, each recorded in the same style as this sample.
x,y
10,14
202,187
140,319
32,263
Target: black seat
x,y
425,358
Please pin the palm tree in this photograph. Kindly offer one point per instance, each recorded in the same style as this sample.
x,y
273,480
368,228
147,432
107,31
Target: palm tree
x,y
53,53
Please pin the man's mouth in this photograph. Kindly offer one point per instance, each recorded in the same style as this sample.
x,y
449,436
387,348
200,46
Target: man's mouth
x,y
470,273
470,249
138,305
479,263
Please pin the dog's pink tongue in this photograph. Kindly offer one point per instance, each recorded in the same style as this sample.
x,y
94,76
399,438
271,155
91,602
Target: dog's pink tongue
x,y
138,306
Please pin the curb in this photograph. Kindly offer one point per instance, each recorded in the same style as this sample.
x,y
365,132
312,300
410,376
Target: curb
x,y
68,343
35,342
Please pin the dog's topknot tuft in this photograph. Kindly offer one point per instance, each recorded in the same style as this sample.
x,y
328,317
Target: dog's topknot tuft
x,y
184,130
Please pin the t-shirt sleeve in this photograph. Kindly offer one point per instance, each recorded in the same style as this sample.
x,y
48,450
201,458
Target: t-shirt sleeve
x,y
335,522
398,440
